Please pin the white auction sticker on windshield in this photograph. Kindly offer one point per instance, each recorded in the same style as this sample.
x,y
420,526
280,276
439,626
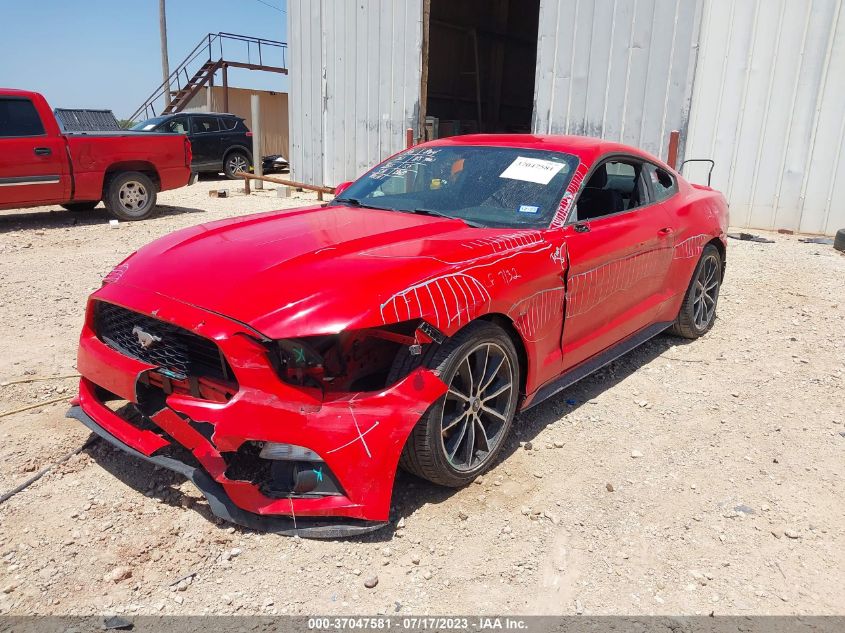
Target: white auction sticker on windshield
x,y
532,170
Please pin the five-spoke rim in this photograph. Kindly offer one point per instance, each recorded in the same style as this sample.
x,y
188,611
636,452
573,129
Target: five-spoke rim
x,y
237,163
133,196
477,406
705,292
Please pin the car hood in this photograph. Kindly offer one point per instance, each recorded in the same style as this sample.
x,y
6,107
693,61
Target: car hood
x,y
300,272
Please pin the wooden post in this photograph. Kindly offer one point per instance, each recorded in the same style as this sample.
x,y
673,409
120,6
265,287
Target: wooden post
x,y
257,166
674,139
409,137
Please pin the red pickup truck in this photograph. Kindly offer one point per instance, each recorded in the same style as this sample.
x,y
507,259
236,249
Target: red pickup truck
x,y
40,165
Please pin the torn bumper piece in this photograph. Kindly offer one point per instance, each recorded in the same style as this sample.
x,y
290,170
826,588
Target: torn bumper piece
x,y
222,506
358,441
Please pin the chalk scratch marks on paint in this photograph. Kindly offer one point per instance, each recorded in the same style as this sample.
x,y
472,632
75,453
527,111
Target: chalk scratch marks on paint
x,y
450,298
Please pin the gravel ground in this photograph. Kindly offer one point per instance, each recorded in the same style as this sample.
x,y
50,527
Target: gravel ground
x,y
685,478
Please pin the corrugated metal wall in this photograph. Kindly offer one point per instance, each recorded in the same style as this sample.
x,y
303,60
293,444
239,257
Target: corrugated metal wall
x,y
355,72
618,69
769,108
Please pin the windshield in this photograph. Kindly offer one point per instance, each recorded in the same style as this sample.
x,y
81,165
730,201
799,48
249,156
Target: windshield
x,y
483,185
149,124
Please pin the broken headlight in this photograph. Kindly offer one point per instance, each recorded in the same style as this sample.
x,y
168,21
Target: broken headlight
x,y
356,360
303,361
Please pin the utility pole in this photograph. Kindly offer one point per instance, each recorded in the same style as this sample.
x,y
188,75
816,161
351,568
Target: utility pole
x,y
257,165
165,66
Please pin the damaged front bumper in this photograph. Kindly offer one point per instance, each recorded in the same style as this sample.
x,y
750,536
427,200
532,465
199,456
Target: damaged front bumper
x,y
220,503
356,438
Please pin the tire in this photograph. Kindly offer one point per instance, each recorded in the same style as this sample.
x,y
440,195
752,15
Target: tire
x,y
461,416
698,310
81,206
235,162
130,196
839,240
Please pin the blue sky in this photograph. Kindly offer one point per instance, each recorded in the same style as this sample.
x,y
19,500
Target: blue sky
x,y
106,53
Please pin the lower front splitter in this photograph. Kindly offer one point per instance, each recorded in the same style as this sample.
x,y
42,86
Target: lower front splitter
x,y
222,506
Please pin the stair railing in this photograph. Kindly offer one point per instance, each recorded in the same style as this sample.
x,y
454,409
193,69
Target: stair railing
x,y
209,48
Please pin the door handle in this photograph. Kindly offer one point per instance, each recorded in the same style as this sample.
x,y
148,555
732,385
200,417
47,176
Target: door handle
x,y
42,151
582,227
667,230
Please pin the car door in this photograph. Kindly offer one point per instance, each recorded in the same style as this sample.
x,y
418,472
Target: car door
x,y
205,142
33,163
230,135
619,244
687,238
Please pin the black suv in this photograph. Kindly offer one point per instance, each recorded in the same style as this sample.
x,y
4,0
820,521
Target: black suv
x,y
219,142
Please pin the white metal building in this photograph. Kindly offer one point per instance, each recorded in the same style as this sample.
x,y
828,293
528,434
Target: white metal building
x,y
756,85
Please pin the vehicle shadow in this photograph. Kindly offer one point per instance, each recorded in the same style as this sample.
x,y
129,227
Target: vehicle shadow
x,y
410,492
58,218
150,480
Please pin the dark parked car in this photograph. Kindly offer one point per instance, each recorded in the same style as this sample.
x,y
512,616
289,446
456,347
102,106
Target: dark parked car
x,y
220,142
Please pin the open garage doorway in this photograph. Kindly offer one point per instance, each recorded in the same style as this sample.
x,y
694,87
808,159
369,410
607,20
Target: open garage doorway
x,y
479,58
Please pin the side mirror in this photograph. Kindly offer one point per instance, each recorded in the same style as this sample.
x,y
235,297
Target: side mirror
x,y
341,188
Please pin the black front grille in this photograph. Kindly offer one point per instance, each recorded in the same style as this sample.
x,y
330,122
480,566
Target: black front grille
x,y
173,348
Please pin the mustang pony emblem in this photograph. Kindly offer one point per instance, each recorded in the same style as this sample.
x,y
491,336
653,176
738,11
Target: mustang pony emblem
x,y
145,339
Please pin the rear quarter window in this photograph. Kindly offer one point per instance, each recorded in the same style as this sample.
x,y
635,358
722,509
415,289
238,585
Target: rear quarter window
x,y
228,123
662,182
18,117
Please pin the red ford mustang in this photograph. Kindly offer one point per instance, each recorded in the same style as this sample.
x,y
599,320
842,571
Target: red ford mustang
x,y
288,362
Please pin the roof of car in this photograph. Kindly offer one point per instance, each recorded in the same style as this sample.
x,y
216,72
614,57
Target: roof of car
x,y
587,148
17,92
210,114
172,114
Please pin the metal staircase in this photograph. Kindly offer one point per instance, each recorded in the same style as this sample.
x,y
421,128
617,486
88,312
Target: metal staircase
x,y
200,66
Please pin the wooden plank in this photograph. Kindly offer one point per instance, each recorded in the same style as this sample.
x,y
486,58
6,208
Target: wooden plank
x,y
284,181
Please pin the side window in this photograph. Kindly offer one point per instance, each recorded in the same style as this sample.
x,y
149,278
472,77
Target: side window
x,y
228,123
662,182
18,117
204,124
617,185
177,126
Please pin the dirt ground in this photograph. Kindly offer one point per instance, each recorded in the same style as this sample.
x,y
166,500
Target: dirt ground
x,y
685,478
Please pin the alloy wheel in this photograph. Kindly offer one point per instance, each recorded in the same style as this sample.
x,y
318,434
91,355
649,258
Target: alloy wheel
x,y
237,163
477,405
706,292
